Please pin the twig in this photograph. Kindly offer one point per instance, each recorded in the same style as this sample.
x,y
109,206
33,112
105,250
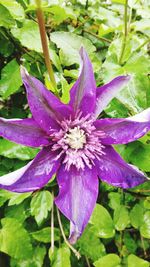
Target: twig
x,y
41,24
98,37
77,254
52,226
140,46
125,32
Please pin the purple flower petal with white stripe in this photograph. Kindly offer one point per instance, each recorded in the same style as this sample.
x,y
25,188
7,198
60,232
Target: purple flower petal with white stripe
x,y
113,170
46,108
107,92
74,144
123,131
25,132
83,92
34,175
78,191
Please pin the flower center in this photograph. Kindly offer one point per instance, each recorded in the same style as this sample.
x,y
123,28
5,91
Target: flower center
x,y
75,138
78,142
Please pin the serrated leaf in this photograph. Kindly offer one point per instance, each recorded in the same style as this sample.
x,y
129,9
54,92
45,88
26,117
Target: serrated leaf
x,y
14,239
12,150
17,198
44,235
110,260
41,204
10,79
102,222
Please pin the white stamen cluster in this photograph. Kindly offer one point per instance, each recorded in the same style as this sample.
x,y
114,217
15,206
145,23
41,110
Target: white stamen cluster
x,y
78,142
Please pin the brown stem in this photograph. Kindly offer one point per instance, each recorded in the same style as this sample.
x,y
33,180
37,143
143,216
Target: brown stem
x,y
41,23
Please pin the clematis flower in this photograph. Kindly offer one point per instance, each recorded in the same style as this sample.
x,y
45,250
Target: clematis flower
x,y
74,145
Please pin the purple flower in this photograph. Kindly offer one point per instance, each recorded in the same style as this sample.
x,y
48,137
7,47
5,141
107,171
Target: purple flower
x,y
74,144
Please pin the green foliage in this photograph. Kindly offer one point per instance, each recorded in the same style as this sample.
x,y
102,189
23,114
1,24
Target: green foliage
x,y
14,239
41,203
119,229
10,79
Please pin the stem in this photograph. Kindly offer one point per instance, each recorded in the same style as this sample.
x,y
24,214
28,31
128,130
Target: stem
x,y
41,24
143,246
125,31
100,38
86,4
77,254
87,261
140,46
52,226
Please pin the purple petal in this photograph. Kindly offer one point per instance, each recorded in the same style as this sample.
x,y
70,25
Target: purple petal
x,y
34,175
107,92
113,170
122,131
83,92
46,108
78,192
25,132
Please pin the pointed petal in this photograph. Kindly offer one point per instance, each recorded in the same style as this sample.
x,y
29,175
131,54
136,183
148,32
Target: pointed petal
x,y
78,191
46,108
25,132
122,131
107,92
34,175
83,92
113,170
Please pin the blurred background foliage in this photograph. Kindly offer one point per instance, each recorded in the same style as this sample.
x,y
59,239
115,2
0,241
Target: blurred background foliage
x,y
119,230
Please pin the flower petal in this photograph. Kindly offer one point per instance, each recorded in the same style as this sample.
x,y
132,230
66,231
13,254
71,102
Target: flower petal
x,y
107,92
78,191
113,170
122,131
46,108
34,175
83,92
25,132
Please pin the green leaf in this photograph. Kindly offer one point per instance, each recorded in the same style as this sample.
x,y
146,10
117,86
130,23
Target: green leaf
x,y
15,9
19,212
10,79
36,260
145,227
14,239
28,35
18,198
61,257
4,196
12,150
102,222
44,235
134,261
88,242
6,19
41,204
110,260
136,216
115,200
70,45
59,13
121,218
